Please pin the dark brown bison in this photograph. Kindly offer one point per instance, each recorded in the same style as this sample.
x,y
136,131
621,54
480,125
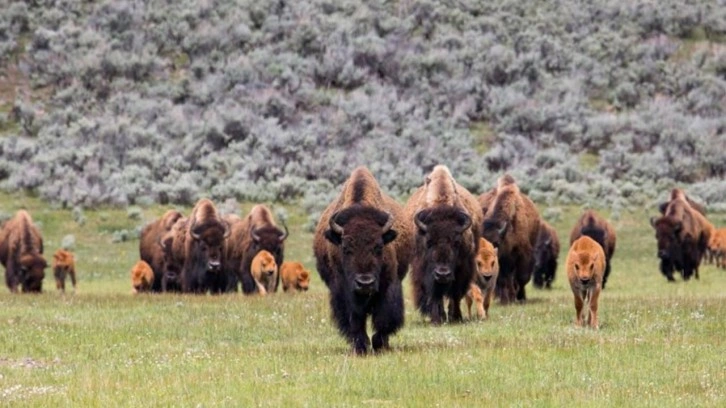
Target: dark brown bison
x,y
150,249
173,245
363,247
448,220
546,252
682,234
511,224
254,233
21,253
594,226
204,250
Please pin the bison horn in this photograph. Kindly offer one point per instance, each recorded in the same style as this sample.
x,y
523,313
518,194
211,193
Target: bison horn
x,y
287,232
227,229
420,224
255,237
389,223
191,229
334,225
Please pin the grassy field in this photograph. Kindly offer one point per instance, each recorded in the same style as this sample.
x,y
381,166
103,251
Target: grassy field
x,y
660,344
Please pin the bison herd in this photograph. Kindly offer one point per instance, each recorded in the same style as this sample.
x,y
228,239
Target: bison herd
x,y
457,246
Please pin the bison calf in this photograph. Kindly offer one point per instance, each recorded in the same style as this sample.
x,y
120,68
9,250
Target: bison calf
x,y
294,276
264,272
64,265
585,268
142,277
481,290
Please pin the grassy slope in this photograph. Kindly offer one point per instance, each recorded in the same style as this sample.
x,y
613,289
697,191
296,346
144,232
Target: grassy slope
x,y
660,344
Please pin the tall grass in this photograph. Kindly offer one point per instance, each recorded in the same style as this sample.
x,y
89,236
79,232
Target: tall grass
x,y
660,344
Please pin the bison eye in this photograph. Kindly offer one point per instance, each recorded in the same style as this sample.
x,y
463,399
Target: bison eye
x,y
577,267
492,264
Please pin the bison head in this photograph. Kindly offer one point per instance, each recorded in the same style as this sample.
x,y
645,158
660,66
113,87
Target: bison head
x,y
32,272
361,234
271,239
584,266
487,262
494,231
210,238
667,234
442,230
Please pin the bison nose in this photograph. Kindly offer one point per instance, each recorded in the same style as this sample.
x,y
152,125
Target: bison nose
x,y
213,265
364,282
486,278
662,253
270,272
584,281
442,273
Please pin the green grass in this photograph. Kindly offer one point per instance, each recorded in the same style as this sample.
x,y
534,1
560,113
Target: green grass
x,y
660,344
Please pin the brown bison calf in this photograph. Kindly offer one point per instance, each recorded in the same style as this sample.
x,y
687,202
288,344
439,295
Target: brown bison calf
x,y
481,290
64,265
142,277
264,272
596,227
717,245
21,253
294,276
362,248
585,267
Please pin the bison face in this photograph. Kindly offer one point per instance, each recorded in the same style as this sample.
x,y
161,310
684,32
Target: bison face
x,y
270,239
667,232
494,231
585,269
32,272
487,265
303,281
442,232
209,241
361,233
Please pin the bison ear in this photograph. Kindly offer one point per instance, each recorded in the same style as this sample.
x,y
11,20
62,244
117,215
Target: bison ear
x,y
503,229
389,236
496,252
333,237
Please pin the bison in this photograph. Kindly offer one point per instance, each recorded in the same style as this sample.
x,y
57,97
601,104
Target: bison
x,y
142,277
594,226
585,266
254,233
21,253
546,252
682,235
64,265
448,220
205,237
264,272
511,224
481,290
717,245
150,244
362,247
173,244
294,276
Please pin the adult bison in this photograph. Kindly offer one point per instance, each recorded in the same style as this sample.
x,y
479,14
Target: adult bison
x,y
21,253
248,236
511,224
363,248
448,221
546,252
150,249
173,245
204,241
682,234
596,227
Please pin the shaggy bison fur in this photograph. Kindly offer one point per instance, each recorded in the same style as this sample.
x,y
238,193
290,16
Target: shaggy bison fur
x,y
21,253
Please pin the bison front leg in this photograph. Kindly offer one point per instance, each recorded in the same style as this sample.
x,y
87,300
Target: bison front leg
x,y
578,309
455,309
593,320
666,268
388,317
488,296
358,333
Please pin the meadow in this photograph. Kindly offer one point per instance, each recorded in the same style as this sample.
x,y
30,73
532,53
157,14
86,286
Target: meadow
x,y
660,344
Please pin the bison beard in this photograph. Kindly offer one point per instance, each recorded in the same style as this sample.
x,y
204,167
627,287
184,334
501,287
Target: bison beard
x,y
447,263
365,282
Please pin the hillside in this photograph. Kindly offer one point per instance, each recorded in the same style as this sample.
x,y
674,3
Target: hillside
x,y
606,103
